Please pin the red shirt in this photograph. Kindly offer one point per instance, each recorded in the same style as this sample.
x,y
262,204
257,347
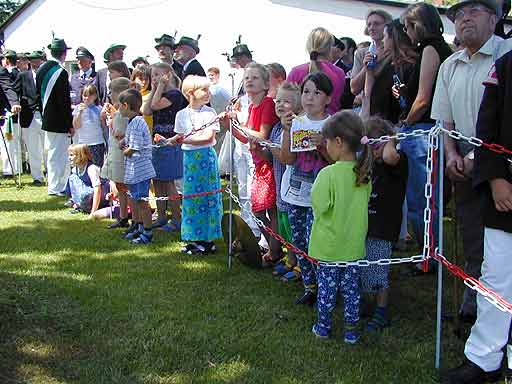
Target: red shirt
x,y
264,113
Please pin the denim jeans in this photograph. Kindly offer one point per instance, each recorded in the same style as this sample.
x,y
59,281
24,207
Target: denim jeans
x,y
416,150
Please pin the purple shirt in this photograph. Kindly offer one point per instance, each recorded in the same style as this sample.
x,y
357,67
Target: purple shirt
x,y
334,73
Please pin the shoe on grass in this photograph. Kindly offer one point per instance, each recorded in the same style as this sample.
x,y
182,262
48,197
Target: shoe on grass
x,y
352,334
320,332
469,373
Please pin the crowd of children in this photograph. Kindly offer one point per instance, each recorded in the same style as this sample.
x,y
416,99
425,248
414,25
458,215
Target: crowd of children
x,y
161,137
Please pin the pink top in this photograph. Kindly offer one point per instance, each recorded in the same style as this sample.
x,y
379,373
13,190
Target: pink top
x,y
336,74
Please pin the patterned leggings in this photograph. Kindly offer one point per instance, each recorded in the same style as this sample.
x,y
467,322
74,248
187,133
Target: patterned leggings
x,y
301,221
330,281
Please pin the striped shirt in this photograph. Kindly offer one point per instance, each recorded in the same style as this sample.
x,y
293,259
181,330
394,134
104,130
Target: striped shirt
x,y
138,167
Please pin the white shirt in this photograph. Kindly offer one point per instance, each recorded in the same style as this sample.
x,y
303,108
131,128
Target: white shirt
x,y
189,119
90,131
185,66
87,73
459,87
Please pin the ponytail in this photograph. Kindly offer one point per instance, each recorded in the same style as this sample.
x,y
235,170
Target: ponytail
x,y
363,166
318,44
313,63
350,127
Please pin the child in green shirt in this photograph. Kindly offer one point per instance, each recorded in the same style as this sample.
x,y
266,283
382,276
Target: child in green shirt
x,y
340,198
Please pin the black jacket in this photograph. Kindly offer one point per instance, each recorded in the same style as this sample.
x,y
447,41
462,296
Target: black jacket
x,y
57,111
493,126
194,68
8,96
25,87
100,81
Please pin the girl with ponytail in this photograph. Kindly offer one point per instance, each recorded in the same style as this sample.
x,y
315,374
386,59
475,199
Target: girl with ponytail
x,y
318,46
340,198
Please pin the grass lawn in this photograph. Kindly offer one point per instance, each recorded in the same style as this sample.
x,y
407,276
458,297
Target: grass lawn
x,y
80,305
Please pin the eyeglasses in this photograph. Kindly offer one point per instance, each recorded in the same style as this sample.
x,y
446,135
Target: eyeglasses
x,y
471,11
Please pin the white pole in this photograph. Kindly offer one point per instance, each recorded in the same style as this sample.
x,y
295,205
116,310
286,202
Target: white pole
x,y
439,319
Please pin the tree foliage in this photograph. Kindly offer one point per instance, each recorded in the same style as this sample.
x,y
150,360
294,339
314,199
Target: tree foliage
x,y
7,8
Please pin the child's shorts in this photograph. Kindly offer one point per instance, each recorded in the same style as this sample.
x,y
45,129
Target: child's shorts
x,y
374,278
139,190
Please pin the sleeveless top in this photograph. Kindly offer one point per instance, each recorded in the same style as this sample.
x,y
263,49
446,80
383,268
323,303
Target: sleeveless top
x,y
444,51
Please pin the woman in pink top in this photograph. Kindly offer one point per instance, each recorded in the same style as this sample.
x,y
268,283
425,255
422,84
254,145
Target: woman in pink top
x,y
319,45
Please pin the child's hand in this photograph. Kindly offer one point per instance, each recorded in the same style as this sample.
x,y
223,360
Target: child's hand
x,y
253,143
81,107
287,119
164,79
128,152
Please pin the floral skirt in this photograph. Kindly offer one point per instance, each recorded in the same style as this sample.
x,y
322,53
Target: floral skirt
x,y
202,215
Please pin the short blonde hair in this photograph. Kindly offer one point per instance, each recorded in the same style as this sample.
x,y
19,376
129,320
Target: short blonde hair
x,y
193,83
319,43
82,153
295,89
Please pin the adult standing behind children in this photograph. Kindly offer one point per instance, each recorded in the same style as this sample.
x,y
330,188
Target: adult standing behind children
x,y
54,94
318,45
185,53
165,45
84,76
30,117
461,78
113,53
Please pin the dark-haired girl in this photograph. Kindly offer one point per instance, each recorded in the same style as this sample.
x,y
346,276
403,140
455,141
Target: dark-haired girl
x,y
339,198
389,179
302,170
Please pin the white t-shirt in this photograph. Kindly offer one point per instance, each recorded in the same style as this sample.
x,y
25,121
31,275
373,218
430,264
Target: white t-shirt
x,y
188,119
299,131
90,131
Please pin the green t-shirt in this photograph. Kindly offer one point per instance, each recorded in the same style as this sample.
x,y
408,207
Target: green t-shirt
x,y
341,214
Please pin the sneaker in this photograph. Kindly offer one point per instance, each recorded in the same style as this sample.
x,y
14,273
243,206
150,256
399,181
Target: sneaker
x,y
158,223
120,223
142,239
69,203
468,373
132,227
352,337
188,248
202,248
308,298
320,331
37,183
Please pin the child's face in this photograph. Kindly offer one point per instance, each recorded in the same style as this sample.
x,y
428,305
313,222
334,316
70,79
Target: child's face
x,y
124,109
334,147
142,83
202,95
156,74
89,98
114,74
314,101
285,102
71,157
213,77
377,150
253,82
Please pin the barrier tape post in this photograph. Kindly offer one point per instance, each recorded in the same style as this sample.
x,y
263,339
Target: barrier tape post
x,y
440,241
230,218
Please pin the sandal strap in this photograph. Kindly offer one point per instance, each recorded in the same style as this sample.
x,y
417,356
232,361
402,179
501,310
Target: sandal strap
x,y
142,239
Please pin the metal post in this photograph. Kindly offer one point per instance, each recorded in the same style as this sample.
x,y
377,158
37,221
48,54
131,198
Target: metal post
x,y
230,218
19,155
440,210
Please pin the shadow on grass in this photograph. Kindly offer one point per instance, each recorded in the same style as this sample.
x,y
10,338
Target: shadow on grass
x,y
52,204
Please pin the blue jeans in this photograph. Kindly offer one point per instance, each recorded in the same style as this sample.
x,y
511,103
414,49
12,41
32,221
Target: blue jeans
x,y
416,150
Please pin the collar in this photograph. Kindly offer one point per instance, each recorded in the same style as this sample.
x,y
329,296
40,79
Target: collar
x,y
87,73
487,49
185,66
57,61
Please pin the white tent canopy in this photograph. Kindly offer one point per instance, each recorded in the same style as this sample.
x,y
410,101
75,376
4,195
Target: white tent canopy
x,y
275,30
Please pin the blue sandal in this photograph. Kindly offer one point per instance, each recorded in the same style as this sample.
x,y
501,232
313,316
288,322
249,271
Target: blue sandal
x,y
142,239
289,276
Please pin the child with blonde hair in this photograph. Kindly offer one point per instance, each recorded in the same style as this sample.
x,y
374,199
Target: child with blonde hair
x,y
85,187
201,216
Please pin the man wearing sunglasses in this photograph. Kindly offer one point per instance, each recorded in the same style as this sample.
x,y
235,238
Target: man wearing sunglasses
x,y
459,92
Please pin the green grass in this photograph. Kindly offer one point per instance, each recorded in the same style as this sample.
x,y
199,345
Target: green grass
x,y
80,305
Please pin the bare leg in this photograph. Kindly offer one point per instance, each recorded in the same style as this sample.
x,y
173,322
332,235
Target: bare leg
x,y
123,205
144,213
161,191
174,204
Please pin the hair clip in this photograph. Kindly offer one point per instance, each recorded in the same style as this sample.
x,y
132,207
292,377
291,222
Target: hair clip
x,y
365,140
313,55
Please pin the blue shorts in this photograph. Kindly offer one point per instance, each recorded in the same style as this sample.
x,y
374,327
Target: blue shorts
x,y
139,190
